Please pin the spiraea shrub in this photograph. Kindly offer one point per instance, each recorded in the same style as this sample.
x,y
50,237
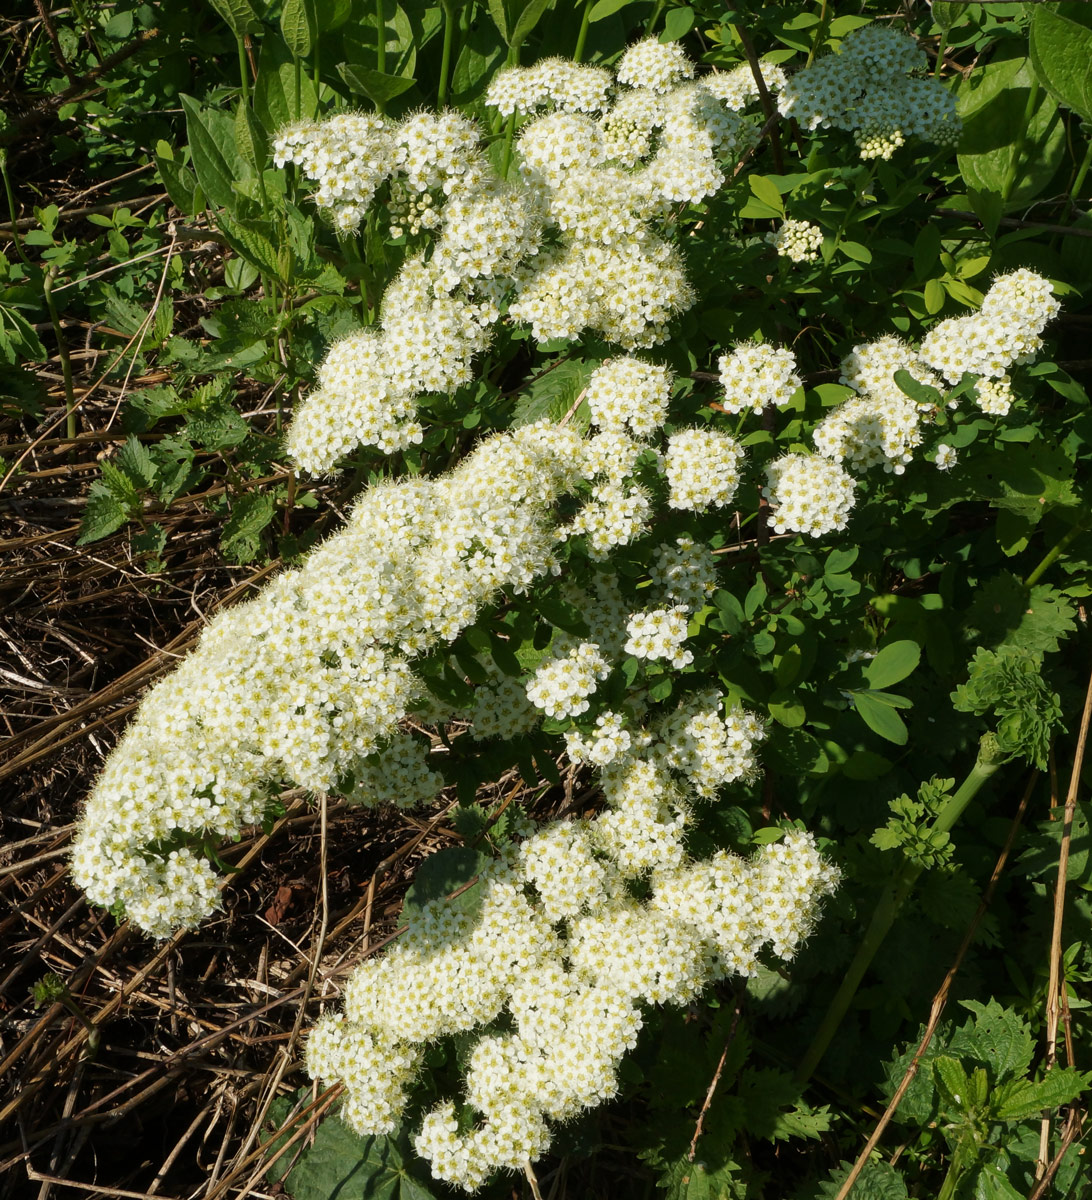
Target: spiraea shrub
x,y
690,436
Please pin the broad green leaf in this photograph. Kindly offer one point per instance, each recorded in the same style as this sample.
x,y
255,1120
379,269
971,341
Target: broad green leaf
x,y
839,561
562,614
376,85
955,1084
103,514
1061,53
179,182
479,57
349,1166
215,158
856,251
359,41
920,392
607,8
1005,612
878,1181
880,718
527,20
332,14
299,26
766,190
134,459
678,23
947,14
866,764
1000,140
275,101
250,138
442,873
787,712
990,1183
239,14
894,662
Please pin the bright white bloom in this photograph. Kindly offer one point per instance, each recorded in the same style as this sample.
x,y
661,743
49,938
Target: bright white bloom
x,y
561,686
870,368
629,127
659,634
755,375
570,86
868,431
628,393
994,396
1005,331
685,573
711,749
655,65
737,88
607,741
798,241
440,152
946,457
398,775
808,494
615,515
702,468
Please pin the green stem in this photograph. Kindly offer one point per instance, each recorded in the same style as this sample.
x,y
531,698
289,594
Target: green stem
x,y
509,131
1053,554
244,76
16,239
887,909
582,36
297,78
445,61
62,348
942,47
381,43
1082,172
820,32
1021,138
651,23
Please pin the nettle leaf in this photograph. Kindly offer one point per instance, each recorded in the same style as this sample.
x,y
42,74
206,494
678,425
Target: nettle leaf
x,y
772,1107
997,1037
1041,857
1006,612
919,1103
878,1181
136,461
1021,1100
103,515
239,15
349,1166
250,514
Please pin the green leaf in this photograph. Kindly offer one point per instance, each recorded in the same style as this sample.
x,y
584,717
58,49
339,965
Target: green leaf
x,y
956,1086
250,138
678,23
274,94
180,184
527,20
767,191
999,139
1005,612
893,663
239,14
215,159
997,1037
607,8
250,514
1061,53
299,26
562,614
856,251
103,515
1022,1100
866,764
947,14
376,85
878,1181
880,718
136,461
919,392
439,875
350,1166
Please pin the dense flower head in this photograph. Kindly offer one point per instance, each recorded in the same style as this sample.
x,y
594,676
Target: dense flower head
x,y
439,152
867,89
561,685
738,87
628,393
798,241
755,375
870,368
808,494
684,573
871,430
655,65
659,633
569,86
711,742
702,468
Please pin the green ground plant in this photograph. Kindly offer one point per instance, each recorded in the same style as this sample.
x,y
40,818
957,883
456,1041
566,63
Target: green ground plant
x,y
779,567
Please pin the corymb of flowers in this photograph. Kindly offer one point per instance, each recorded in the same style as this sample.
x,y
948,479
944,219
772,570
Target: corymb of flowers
x,y
582,924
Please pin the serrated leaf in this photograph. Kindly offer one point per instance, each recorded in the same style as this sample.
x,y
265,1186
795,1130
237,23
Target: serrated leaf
x,y
120,484
955,1084
103,514
880,718
878,1180
136,461
439,875
250,138
552,392
275,102
997,1037
250,514
1022,1099
1005,612
894,662
349,1166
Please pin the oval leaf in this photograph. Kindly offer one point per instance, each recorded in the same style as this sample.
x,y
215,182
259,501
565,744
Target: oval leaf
x,y
894,662
880,718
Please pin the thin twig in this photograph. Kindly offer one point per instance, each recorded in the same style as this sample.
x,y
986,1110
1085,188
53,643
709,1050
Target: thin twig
x,y
715,1080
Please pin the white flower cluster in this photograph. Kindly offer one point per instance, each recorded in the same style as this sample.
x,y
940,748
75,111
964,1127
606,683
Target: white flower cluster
x,y
569,86
298,685
562,684
561,947
872,430
755,375
628,394
398,775
684,573
708,748
606,742
655,65
738,88
868,89
798,241
808,494
1005,331
659,633
702,468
